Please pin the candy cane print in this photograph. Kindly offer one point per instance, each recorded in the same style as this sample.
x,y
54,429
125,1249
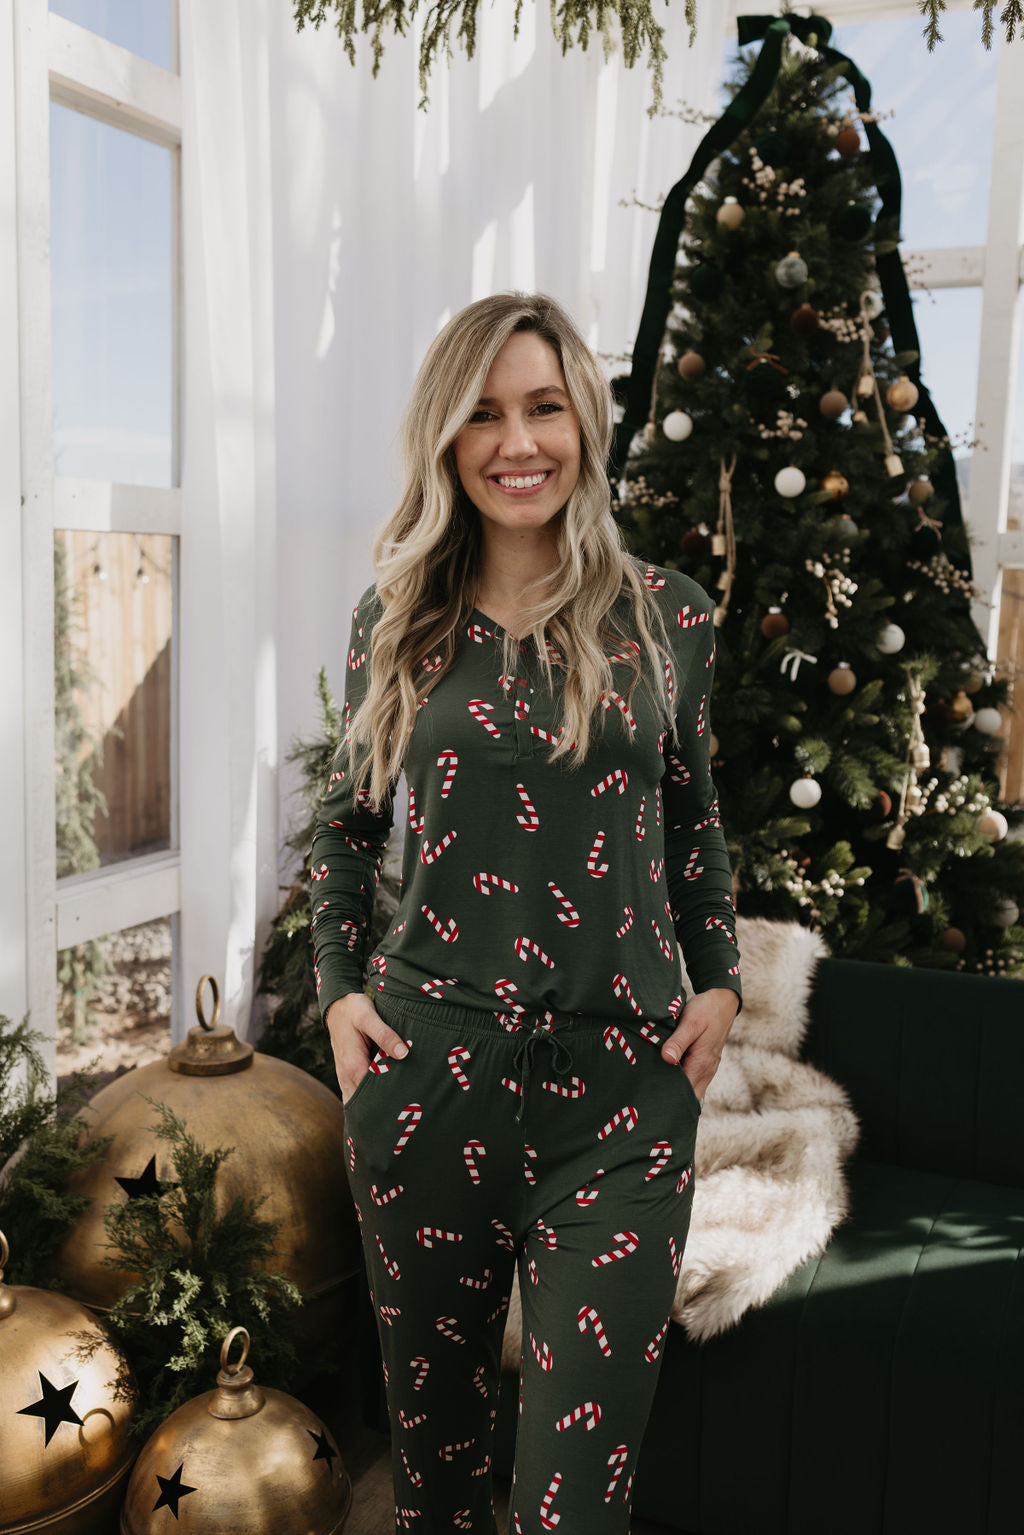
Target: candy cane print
x,y
530,947
675,1006
477,1284
449,933
515,1517
415,822
656,869
506,989
428,1235
449,760
693,869
569,915
512,1085
530,1155
574,1088
484,883
420,1417
483,1470
712,818
388,1313
625,655
684,1178
627,912
432,663
448,1451
626,1490
618,1459
320,873
316,972
478,634
358,844
462,1520
388,1196
542,1353
613,1036
598,870
430,854
455,1055
630,1242
655,583
679,772
445,1325
531,820
661,1151
499,1308
641,829
627,1116
430,987
504,1236
663,944
354,661
351,930
415,1477
589,1191
620,986
548,1517
590,1411
670,686
522,708
653,1348
421,1365
479,1382
717,922
351,1153
650,1032
587,1314
608,699
617,777
406,1515
689,617
531,1269
479,708
676,1257
545,735
413,1112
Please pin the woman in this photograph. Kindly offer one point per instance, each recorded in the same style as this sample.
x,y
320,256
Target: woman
x,y
547,698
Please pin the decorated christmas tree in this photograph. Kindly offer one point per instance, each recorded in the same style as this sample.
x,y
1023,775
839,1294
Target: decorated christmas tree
x,y
779,444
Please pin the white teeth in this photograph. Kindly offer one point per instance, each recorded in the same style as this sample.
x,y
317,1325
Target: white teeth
x,y
514,482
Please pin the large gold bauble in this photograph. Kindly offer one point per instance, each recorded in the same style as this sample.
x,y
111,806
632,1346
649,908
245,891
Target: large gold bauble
x,y
288,1131
244,1458
64,1462
835,483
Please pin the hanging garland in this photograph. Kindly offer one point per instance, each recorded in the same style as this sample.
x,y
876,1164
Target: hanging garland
x,y
638,29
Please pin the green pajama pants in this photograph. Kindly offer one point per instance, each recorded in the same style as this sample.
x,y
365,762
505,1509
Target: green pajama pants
x,y
563,1145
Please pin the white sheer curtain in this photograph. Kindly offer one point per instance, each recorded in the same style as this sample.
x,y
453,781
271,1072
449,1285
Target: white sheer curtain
x,y
330,228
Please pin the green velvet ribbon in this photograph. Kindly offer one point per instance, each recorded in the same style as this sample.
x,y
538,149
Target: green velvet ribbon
x,y
814,31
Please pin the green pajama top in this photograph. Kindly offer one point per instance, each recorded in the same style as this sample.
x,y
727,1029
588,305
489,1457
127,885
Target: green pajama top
x,y
526,887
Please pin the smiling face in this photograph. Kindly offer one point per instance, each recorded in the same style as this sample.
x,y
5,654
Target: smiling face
x,y
518,456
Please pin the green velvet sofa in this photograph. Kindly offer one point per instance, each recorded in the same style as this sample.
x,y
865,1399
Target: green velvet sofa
x,y
881,1389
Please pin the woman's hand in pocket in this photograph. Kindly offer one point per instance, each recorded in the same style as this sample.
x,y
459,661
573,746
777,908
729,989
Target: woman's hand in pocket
x,y
355,1025
698,1039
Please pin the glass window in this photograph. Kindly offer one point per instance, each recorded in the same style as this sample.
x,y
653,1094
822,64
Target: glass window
x,y
113,279
944,106
114,1000
143,26
114,599
948,322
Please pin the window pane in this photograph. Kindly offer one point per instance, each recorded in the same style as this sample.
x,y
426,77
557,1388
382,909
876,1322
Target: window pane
x,y
143,26
114,596
112,270
948,322
944,109
114,1000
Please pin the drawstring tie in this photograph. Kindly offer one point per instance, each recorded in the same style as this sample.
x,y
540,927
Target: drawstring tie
x,y
561,1059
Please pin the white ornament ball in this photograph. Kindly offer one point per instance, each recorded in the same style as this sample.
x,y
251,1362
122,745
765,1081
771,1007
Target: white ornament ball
x,y
805,793
994,825
677,425
873,303
988,721
1007,914
790,481
890,639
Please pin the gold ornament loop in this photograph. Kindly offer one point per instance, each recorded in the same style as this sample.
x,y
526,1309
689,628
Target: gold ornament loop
x,y
200,1010
234,1369
5,1253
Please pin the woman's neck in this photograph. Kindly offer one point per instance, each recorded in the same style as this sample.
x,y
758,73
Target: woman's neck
x,y
508,565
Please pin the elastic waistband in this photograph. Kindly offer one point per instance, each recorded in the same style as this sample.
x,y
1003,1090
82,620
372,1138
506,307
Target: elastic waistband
x,y
469,1020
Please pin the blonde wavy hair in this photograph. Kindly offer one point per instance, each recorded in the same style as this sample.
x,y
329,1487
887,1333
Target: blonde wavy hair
x,y
427,556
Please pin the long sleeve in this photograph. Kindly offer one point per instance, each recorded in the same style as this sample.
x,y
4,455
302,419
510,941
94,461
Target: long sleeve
x,y
348,844
696,857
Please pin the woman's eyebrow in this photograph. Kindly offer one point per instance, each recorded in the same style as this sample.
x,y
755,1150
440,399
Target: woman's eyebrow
x,y
532,395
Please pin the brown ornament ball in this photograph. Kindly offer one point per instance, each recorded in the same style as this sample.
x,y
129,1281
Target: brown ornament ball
x,y
731,214
847,142
939,714
832,404
881,806
774,623
903,394
694,542
921,491
804,321
835,483
954,940
842,679
691,365
713,744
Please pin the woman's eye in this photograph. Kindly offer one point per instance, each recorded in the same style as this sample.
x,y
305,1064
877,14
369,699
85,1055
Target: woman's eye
x,y
543,405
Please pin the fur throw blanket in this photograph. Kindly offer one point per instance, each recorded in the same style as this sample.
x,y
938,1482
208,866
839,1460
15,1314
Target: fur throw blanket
x,y
773,1136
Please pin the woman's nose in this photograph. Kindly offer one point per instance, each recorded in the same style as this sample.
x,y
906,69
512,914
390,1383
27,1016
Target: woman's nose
x,y
517,439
